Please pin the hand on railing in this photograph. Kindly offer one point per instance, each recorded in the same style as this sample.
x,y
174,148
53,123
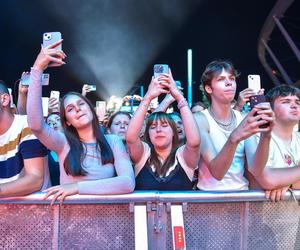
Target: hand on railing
x,y
60,192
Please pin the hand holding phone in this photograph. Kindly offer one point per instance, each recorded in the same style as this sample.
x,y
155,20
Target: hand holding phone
x,y
101,110
25,79
160,69
256,99
50,38
254,83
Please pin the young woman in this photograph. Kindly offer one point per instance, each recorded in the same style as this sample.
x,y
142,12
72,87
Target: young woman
x,y
118,123
90,162
159,163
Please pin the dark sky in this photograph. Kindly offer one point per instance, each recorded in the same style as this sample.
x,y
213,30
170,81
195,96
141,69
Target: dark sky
x,y
107,40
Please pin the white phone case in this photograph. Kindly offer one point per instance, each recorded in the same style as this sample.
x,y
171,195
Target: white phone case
x,y
50,38
101,110
254,82
54,94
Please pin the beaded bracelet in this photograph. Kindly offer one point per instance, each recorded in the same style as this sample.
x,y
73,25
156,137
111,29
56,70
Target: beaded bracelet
x,y
182,103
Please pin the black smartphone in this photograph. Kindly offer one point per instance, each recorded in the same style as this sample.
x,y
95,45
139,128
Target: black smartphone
x,y
256,99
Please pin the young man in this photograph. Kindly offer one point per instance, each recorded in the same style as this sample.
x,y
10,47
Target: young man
x,y
23,161
284,149
226,138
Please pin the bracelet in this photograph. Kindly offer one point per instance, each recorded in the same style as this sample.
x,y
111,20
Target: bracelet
x,y
182,103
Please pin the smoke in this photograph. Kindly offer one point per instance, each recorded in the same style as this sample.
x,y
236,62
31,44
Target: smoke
x,y
116,40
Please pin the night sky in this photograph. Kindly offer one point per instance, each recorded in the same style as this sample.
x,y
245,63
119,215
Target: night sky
x,y
114,44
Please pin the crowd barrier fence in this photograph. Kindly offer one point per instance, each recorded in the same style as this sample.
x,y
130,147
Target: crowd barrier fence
x,y
151,220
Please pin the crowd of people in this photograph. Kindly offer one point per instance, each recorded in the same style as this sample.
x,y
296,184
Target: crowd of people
x,y
215,148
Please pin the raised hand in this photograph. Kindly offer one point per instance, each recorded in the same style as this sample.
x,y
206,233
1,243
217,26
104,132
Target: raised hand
x,y
254,122
50,57
157,87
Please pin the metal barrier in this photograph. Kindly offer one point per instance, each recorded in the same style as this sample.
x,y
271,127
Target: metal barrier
x,y
235,220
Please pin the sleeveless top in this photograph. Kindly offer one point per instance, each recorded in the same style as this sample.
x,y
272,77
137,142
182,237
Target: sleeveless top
x,y
178,177
234,178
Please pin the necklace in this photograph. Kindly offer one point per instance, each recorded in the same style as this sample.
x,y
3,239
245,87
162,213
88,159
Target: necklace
x,y
226,125
287,156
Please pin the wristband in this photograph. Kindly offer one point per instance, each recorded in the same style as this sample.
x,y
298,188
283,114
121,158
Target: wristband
x,y
182,103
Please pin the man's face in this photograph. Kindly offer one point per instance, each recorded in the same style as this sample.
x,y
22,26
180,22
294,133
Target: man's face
x,y
222,88
287,109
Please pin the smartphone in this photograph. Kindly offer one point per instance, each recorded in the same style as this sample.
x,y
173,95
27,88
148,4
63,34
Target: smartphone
x,y
93,87
54,94
45,103
11,98
101,110
25,79
159,69
256,99
50,38
254,82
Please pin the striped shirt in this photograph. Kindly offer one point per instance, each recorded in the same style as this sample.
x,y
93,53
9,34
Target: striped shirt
x,y
16,144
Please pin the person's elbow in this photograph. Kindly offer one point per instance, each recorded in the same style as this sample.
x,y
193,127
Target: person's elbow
x,y
218,175
128,184
36,128
266,182
37,183
129,138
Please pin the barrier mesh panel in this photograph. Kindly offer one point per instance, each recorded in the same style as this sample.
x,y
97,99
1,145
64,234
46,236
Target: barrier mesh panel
x,y
26,226
211,226
97,227
274,225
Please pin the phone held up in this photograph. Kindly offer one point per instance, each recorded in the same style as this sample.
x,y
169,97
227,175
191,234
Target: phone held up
x,y
254,83
25,79
50,38
54,94
101,110
160,69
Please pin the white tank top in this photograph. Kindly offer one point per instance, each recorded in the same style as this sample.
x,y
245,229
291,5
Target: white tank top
x,y
234,178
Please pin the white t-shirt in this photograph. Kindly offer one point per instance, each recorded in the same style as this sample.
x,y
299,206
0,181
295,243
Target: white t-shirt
x,y
282,155
234,178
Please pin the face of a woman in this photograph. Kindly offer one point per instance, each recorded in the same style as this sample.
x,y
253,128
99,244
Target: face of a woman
x,y
77,112
54,121
161,134
179,126
119,125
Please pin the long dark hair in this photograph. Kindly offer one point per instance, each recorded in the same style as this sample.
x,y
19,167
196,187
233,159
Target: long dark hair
x,y
161,169
74,160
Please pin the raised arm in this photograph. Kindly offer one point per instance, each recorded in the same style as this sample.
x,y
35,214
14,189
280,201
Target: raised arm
x,y
52,139
165,103
191,152
133,140
257,157
22,98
